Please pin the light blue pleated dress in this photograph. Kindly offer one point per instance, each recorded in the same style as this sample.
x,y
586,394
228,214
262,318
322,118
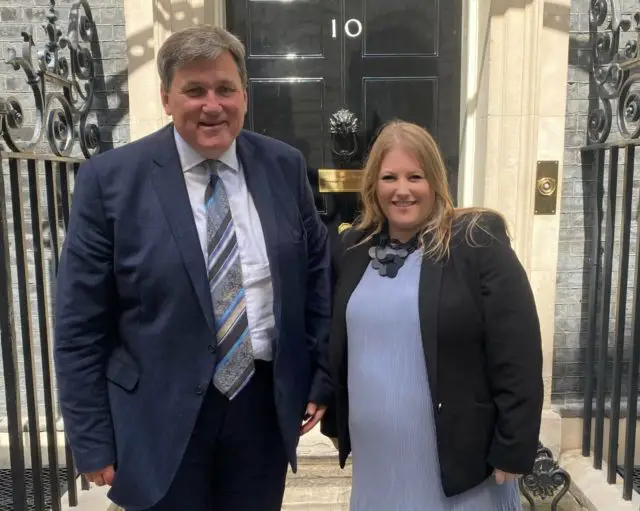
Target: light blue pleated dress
x,y
391,424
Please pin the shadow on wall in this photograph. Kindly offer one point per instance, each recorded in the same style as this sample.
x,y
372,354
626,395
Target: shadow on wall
x,y
555,16
580,54
140,51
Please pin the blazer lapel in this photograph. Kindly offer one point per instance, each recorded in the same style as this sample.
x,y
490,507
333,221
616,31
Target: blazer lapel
x,y
352,265
171,189
428,302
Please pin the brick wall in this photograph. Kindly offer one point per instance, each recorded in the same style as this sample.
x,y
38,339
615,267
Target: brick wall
x,y
111,102
576,220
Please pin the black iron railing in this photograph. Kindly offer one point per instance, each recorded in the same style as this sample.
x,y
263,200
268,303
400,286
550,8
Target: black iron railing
x,y
35,195
612,245
613,310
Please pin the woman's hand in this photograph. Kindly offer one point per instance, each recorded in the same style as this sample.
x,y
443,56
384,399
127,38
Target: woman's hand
x,y
503,477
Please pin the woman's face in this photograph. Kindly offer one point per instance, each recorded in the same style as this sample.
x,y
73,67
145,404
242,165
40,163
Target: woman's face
x,y
404,194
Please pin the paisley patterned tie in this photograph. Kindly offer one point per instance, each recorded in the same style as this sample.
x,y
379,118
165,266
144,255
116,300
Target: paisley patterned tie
x,y
234,362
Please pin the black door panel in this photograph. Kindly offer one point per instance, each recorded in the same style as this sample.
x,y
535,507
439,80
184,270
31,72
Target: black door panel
x,y
375,59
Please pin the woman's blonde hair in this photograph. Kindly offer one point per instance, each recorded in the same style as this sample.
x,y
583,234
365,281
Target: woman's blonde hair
x,y
436,231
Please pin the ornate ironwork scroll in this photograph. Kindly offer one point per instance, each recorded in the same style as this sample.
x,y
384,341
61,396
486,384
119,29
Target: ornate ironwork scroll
x,y
60,117
546,480
616,71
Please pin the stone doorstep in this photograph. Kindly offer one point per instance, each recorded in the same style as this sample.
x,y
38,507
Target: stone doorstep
x,y
590,485
320,484
319,481
315,445
94,499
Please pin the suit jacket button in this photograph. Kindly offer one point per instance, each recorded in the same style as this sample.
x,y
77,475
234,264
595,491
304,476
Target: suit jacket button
x,y
199,390
211,349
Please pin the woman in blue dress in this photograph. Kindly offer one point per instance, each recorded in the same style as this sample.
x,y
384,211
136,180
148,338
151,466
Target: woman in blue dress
x,y
435,346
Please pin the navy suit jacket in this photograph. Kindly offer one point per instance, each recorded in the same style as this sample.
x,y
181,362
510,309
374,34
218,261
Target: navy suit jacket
x,y
134,318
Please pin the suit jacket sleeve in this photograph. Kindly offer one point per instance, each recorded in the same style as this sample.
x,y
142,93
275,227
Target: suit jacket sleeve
x,y
318,296
84,326
513,350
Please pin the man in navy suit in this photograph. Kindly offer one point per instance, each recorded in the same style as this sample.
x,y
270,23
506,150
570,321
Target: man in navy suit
x,y
193,300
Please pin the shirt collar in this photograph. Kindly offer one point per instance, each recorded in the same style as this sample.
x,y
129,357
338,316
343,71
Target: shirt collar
x,y
190,158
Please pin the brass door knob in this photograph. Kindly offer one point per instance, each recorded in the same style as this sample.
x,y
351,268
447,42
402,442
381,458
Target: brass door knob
x,y
546,186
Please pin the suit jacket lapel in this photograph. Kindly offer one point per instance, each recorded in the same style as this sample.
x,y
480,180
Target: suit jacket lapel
x,y
171,189
428,302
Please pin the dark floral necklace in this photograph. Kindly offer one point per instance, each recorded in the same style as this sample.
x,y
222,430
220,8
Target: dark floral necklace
x,y
389,254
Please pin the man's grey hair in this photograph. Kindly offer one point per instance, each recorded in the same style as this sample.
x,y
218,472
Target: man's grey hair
x,y
195,43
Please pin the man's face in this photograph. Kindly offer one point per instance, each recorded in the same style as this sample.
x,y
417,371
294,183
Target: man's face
x,y
208,103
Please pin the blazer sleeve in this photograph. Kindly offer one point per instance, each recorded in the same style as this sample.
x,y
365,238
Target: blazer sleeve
x,y
84,326
318,296
513,351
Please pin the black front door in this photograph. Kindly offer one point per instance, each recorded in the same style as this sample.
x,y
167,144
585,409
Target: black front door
x,y
320,68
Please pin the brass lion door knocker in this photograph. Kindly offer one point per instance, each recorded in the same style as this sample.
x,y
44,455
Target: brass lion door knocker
x,y
344,127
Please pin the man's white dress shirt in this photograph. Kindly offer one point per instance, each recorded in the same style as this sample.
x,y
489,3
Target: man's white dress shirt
x,y
256,275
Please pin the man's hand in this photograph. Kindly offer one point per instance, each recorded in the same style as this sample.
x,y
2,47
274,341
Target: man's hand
x,y
102,477
503,477
312,417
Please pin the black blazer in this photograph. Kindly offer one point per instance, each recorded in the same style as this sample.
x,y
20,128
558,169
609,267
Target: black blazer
x,y
482,347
